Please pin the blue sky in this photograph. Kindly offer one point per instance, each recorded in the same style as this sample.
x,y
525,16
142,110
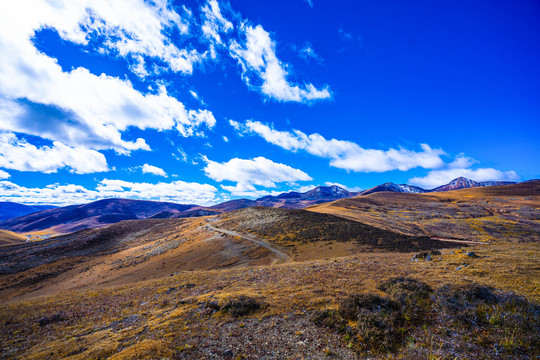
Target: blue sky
x,y
206,101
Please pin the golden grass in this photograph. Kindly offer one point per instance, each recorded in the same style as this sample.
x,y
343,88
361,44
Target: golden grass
x,y
166,313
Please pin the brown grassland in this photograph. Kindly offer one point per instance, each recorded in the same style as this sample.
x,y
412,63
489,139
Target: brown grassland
x,y
265,283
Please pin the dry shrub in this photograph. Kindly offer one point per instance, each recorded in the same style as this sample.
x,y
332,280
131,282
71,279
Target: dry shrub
x,y
46,320
512,322
413,295
378,321
242,305
507,323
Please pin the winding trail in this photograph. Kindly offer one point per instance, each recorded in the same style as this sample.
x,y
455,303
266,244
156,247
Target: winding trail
x,y
280,255
469,242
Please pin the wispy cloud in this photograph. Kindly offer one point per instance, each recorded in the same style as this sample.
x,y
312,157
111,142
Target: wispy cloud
x,y
261,68
307,53
215,22
345,36
346,154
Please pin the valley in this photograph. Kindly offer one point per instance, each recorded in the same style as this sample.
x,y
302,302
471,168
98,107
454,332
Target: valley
x,y
163,287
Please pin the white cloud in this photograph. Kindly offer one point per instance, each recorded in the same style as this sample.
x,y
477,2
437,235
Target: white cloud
x,y
226,139
4,175
345,36
76,107
195,119
248,190
126,28
307,53
262,68
194,94
236,125
462,162
346,154
214,21
440,177
150,169
18,154
247,173
181,156
55,194
176,191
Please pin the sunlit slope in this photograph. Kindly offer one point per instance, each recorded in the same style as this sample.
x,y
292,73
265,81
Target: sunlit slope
x,y
135,250
311,235
122,253
10,238
509,212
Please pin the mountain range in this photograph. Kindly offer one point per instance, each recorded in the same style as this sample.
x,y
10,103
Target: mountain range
x,y
456,184
108,211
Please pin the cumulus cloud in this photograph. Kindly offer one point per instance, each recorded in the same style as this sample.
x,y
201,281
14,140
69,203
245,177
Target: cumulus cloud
x,y
249,172
4,175
346,154
150,169
76,107
18,154
440,177
262,68
56,194
176,191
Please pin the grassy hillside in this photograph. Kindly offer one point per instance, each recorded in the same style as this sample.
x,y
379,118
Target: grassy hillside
x,y
10,238
302,231
498,213
188,315
266,283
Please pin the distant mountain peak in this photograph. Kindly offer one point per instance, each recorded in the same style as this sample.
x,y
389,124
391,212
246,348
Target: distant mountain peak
x,y
401,188
456,184
327,192
465,183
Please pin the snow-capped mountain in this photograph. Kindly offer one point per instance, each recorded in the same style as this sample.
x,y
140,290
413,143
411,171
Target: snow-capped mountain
x,y
327,192
464,183
402,188
456,184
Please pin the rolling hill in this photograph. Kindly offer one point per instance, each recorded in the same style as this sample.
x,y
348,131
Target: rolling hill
x,y
506,212
109,211
9,210
163,288
91,215
10,238
131,250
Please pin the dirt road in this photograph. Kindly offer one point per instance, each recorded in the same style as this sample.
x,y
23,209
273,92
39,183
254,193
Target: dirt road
x,y
280,255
